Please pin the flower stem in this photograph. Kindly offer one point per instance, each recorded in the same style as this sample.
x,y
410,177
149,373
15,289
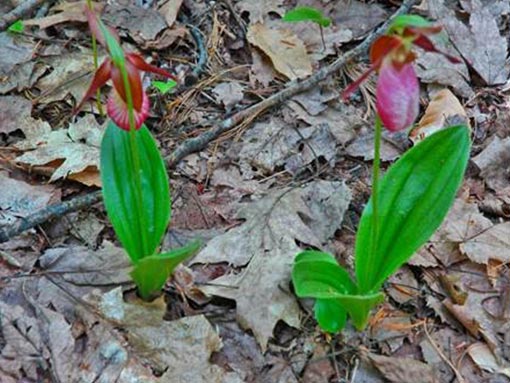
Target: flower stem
x,y
135,153
375,184
96,64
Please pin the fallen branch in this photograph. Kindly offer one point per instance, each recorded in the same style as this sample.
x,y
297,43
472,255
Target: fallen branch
x,y
48,213
18,12
198,143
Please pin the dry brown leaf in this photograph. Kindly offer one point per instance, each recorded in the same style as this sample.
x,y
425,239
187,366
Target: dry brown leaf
x,y
73,11
170,10
141,24
14,50
438,70
342,121
70,151
181,349
266,244
257,10
262,70
485,359
493,243
402,370
287,52
229,94
71,74
357,16
480,43
271,144
493,162
443,108
13,111
463,223
20,198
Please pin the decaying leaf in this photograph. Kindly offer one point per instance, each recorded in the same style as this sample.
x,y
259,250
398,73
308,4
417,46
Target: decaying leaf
x,y
443,108
229,94
493,243
66,12
109,265
271,144
14,50
169,10
266,244
141,24
343,120
436,69
287,53
464,222
73,152
71,74
493,162
402,370
21,199
179,349
357,16
485,359
480,43
259,9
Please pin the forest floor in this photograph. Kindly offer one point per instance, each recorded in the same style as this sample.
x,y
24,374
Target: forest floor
x,y
265,159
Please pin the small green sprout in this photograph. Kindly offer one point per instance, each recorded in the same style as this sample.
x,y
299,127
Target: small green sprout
x,y
164,86
314,15
17,27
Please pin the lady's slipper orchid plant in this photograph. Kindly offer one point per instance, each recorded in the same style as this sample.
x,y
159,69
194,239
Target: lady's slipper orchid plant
x,y
135,182
410,201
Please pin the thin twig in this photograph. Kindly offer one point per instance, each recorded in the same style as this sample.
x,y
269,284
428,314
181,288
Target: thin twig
x,y
442,355
294,87
18,12
198,143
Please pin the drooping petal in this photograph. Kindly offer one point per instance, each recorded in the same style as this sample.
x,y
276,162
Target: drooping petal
x,y
101,76
118,111
140,63
355,85
135,84
397,95
427,45
382,47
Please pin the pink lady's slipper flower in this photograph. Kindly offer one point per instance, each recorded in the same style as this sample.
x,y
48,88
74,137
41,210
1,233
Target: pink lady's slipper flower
x,y
397,92
117,106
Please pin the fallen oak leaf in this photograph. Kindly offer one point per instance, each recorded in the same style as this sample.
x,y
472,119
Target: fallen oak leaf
x,y
266,244
286,51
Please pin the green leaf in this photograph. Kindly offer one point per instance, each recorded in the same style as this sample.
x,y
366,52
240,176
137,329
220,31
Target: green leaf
x,y
317,275
330,315
404,21
164,86
415,196
17,27
120,192
307,14
151,273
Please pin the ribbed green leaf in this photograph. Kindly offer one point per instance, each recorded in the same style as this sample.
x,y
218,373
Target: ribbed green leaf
x,y
330,315
307,14
151,273
317,275
120,193
415,195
